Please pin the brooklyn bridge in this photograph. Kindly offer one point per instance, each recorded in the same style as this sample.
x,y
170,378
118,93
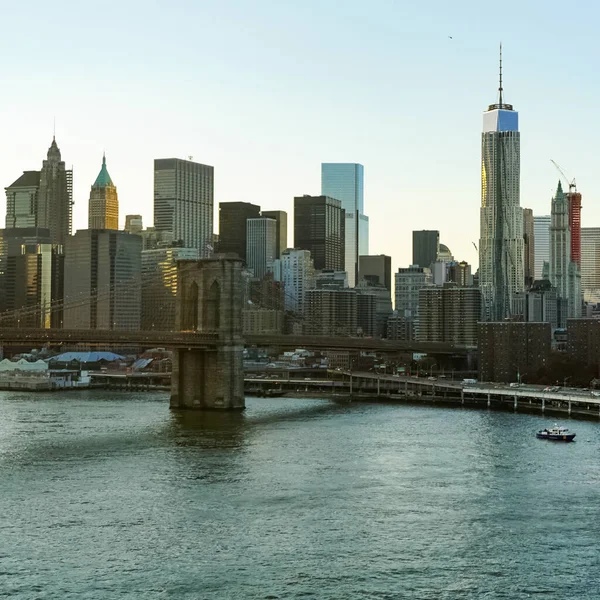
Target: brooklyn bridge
x,y
208,340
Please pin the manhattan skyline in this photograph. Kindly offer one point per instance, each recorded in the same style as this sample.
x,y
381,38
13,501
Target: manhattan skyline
x,y
267,110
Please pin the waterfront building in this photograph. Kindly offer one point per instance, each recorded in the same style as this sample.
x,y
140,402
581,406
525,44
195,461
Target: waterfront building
x,y
366,313
280,217
233,228
261,243
102,280
539,304
590,264
449,314
409,280
296,271
134,224
43,199
583,341
319,224
103,210
425,247
159,285
501,244
513,351
528,246
331,312
345,182
31,278
564,273
541,243
184,202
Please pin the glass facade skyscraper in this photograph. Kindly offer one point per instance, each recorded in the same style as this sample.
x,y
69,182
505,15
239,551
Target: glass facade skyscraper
x,y
590,264
501,244
541,242
345,182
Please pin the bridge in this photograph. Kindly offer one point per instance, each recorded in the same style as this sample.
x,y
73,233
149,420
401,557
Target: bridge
x,y
208,342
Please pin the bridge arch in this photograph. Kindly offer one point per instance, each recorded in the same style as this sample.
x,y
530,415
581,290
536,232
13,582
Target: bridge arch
x,y
211,311
189,320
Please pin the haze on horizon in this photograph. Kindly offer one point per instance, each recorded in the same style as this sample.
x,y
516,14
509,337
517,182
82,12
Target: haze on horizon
x,y
266,92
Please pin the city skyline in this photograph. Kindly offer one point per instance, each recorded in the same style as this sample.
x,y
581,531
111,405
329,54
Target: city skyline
x,y
268,152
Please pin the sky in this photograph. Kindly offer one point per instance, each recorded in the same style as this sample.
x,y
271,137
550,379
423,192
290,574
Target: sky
x,y
265,91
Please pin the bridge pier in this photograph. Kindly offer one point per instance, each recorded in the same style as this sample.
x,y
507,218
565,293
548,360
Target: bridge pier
x,y
209,300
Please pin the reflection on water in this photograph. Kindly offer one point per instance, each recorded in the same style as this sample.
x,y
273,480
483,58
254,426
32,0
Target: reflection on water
x,y
108,495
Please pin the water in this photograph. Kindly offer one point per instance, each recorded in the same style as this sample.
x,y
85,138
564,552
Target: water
x,y
107,495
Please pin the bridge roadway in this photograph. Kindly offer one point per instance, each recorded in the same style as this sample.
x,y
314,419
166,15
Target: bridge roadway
x,y
196,340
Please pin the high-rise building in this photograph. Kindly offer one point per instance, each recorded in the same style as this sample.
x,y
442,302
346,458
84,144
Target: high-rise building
x,y
376,269
31,268
574,198
590,264
261,242
184,202
460,273
232,226
583,341
159,285
539,304
512,352
501,244
102,280
331,312
43,199
134,223
345,182
528,246
319,227
103,210
541,239
449,314
296,270
280,217
564,273
425,247
409,281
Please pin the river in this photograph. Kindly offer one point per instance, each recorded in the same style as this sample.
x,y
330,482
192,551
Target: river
x,y
109,495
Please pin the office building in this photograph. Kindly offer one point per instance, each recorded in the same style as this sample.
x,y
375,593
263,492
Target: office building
x,y
512,351
328,279
296,271
265,292
261,242
528,246
449,314
564,273
31,271
425,247
541,243
102,280
539,304
345,182
134,224
280,217
43,199
319,223
501,244
376,269
232,226
159,285
383,304
460,273
103,211
590,264
184,202
331,312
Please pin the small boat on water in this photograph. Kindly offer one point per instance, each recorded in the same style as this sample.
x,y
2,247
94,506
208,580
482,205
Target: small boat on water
x,y
556,433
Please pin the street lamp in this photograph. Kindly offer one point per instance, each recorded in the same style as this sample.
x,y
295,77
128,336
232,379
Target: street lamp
x,y
431,369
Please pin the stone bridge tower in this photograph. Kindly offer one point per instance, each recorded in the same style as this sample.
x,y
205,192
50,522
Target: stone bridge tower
x,y
210,300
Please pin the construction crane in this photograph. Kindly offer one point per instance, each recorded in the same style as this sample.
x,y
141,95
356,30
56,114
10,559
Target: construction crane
x,y
474,246
572,185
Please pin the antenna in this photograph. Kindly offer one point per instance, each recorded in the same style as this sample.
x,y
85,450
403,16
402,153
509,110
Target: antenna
x,y
500,88
54,130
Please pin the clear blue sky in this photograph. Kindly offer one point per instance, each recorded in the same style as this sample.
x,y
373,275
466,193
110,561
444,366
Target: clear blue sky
x,y
267,90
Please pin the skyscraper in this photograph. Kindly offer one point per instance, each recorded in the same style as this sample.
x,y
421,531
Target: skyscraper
x,y
574,198
319,227
103,212
501,242
529,246
345,182
590,264
232,226
44,198
183,202
541,243
281,240
295,269
426,246
376,269
261,241
134,223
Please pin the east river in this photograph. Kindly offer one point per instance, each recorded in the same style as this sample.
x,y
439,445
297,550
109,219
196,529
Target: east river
x,y
110,495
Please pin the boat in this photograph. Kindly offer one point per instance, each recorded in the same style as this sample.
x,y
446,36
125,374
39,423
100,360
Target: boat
x,y
556,433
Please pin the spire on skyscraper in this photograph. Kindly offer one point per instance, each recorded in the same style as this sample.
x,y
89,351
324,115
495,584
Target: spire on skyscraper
x,y
103,179
500,87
